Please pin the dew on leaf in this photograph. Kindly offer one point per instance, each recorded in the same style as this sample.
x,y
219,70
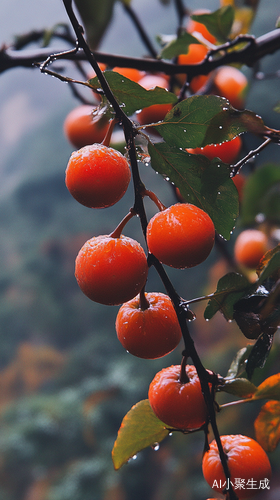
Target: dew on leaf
x,y
155,446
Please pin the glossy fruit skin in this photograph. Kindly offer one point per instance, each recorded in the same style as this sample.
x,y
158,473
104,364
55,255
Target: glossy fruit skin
x,y
195,55
148,333
239,181
181,236
231,83
227,151
111,270
83,126
249,247
97,176
132,73
195,26
156,112
246,460
178,405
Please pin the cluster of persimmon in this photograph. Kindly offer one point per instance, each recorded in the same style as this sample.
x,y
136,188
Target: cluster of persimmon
x,y
112,269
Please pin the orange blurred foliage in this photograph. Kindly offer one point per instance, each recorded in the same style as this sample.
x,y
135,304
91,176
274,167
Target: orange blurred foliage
x,y
33,365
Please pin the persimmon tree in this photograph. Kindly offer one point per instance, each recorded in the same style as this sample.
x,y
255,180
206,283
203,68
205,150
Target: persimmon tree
x,y
198,114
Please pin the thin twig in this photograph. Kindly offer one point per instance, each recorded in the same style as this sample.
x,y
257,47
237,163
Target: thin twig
x,y
235,168
143,35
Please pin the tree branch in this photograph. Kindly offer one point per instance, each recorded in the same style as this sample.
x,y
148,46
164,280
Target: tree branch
x,y
254,50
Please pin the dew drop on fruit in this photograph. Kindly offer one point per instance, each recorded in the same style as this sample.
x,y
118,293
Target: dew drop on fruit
x,y
170,434
155,446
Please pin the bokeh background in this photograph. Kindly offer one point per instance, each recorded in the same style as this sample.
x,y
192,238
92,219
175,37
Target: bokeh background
x,y
65,381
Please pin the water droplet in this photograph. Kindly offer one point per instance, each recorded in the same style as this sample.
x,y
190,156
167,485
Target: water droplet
x,y
170,434
230,321
220,127
219,192
155,446
260,218
207,319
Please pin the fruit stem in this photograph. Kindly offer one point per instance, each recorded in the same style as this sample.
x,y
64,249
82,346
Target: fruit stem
x,y
154,198
184,379
118,231
143,301
107,139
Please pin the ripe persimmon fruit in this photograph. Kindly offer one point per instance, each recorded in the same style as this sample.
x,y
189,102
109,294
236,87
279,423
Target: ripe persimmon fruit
x,y
249,247
156,112
181,236
132,73
148,326
178,404
85,125
239,181
111,270
97,176
195,55
194,27
247,461
231,83
227,151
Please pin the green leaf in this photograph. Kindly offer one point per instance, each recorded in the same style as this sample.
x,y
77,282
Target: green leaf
x,y
231,122
262,195
140,428
202,182
201,120
96,17
218,23
241,387
238,362
178,46
231,288
131,96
